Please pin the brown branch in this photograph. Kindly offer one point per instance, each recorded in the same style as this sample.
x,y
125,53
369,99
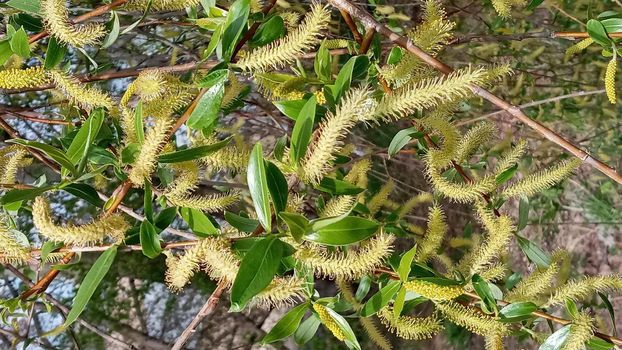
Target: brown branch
x,y
207,309
42,285
581,35
370,23
251,31
40,120
350,23
13,133
94,13
366,42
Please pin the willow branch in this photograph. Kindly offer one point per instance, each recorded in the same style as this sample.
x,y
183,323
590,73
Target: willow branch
x,y
206,310
252,30
370,23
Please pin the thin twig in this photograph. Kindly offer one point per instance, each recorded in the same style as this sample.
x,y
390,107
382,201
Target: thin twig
x,y
207,309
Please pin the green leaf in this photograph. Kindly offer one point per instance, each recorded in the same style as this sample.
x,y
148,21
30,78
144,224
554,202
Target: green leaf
x,y
31,6
52,152
257,269
84,191
398,305
149,240
533,4
192,153
290,108
341,322
599,344
165,218
115,30
347,73
303,128
54,54
269,31
137,22
258,187
241,223
234,24
298,224
206,111
277,185
345,231
517,312
597,31
612,25
556,340
380,299
90,283
533,252
611,311
338,187
307,330
19,43
49,247
79,148
506,175
198,222
322,63
138,123
5,51
287,325
523,213
401,139
363,288
405,263
148,201
483,290
21,195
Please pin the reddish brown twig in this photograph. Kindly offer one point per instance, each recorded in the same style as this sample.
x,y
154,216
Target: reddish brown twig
x,y
40,120
366,42
581,35
42,285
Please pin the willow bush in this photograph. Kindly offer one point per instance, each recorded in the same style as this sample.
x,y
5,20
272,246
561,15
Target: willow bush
x,y
306,212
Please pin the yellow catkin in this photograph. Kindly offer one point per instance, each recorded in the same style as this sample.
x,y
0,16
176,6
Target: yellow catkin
x,y
473,139
581,331
285,50
532,287
437,228
85,97
230,157
408,327
367,322
282,292
578,47
494,341
11,164
328,321
112,226
338,205
150,85
377,201
160,5
146,161
56,20
433,291
470,319
427,94
318,159
11,251
447,150
14,78
580,290
512,157
206,203
352,265
186,179
499,232
414,202
542,180
610,80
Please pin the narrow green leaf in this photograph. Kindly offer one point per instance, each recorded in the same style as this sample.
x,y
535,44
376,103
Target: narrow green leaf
x,y
21,195
90,283
517,312
192,153
54,153
287,325
79,147
115,29
346,231
257,269
258,187
290,108
611,310
277,185
206,111
138,123
307,330
599,344
5,51
49,247
533,252
483,290
303,128
345,328
523,213
556,340
31,6
165,218
234,24
84,191
198,222
406,262
338,187
149,240
398,305
269,31
401,139
380,299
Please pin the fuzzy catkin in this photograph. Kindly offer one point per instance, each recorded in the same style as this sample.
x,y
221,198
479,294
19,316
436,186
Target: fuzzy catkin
x,y
579,290
433,291
11,251
208,203
542,180
14,78
285,50
328,321
57,22
408,327
112,226
85,97
470,319
581,331
610,80
437,228
146,161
